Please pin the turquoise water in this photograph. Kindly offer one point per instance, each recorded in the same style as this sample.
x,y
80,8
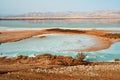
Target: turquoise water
x,y
81,23
105,55
54,43
59,45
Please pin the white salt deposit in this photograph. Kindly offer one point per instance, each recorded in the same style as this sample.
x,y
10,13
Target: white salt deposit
x,y
56,42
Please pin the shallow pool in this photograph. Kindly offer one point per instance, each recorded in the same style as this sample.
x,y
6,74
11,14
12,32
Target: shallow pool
x,y
52,43
105,55
59,44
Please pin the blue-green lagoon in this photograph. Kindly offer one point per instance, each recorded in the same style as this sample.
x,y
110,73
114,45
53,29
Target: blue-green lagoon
x,y
57,44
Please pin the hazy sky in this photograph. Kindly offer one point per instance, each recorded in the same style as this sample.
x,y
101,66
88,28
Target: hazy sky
x,y
24,6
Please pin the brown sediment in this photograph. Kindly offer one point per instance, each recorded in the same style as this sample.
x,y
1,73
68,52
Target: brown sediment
x,y
43,61
39,36
12,36
51,67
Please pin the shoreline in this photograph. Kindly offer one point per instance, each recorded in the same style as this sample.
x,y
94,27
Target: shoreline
x,y
5,29
55,18
104,40
51,67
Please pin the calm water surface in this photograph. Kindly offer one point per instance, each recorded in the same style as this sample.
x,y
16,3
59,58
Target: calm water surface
x,y
81,23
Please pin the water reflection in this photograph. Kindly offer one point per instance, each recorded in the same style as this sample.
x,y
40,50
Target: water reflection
x,y
103,21
72,23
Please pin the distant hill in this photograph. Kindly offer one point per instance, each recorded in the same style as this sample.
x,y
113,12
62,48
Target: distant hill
x,y
105,14
70,14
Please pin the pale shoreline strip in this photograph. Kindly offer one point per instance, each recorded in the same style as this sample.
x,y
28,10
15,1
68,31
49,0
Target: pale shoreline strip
x,y
5,29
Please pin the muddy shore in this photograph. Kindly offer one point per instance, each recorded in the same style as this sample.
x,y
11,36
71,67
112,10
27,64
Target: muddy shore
x,y
9,35
51,67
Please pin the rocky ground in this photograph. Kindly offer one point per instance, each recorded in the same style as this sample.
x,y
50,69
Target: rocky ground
x,y
51,67
80,72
